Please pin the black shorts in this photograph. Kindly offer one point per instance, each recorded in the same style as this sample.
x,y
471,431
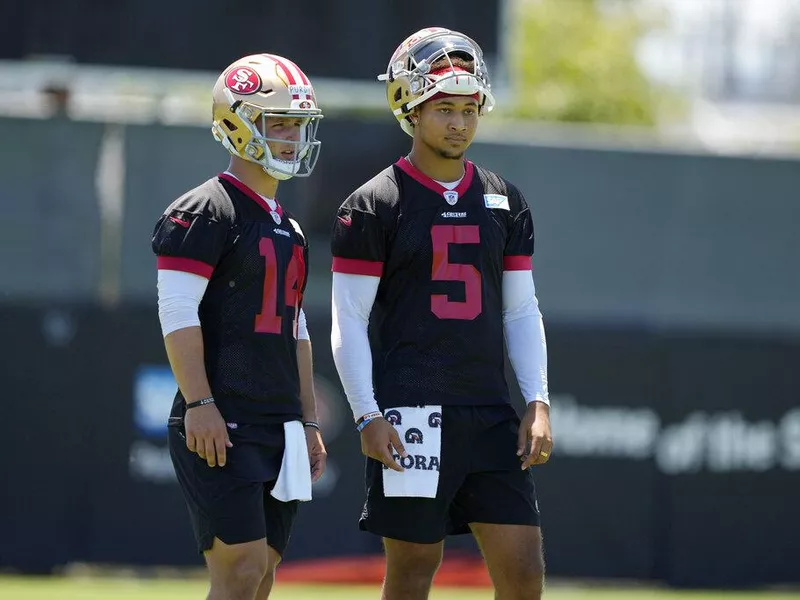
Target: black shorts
x,y
233,503
480,481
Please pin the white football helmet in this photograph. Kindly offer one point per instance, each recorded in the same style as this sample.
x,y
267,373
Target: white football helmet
x,y
260,86
410,81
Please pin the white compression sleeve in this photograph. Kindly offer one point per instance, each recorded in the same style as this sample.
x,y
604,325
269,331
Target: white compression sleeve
x,y
525,338
179,296
352,298
302,327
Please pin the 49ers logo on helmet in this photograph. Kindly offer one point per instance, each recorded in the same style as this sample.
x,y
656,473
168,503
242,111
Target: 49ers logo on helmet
x,y
242,80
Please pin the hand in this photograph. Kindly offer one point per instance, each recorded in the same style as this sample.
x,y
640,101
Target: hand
x,y
317,455
206,434
377,440
534,440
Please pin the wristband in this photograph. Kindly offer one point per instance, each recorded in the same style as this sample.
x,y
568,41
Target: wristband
x,y
367,417
203,402
313,424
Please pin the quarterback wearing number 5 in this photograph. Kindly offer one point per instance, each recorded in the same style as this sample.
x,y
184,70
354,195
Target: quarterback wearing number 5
x,y
435,253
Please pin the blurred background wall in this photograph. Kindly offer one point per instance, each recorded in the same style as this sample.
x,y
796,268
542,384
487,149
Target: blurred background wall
x,y
657,142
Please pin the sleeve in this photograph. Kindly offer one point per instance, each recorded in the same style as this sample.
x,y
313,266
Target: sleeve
x,y
519,245
179,296
351,303
305,270
190,236
302,326
358,240
525,338
300,255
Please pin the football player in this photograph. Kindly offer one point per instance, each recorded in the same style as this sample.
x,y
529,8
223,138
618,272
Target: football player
x,y
232,270
435,253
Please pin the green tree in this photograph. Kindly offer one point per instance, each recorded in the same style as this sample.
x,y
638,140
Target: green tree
x,y
572,62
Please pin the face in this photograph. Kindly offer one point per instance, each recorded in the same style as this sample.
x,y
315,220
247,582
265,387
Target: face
x,y
289,129
447,125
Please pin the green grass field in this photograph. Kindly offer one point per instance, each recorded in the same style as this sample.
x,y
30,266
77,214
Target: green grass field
x,y
78,588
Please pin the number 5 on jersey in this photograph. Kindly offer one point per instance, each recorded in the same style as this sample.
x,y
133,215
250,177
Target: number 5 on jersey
x,y
443,270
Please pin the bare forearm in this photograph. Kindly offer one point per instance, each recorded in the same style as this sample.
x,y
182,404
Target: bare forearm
x,y
305,365
185,352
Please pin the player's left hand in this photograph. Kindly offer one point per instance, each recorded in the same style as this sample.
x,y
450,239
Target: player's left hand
x,y
535,440
317,455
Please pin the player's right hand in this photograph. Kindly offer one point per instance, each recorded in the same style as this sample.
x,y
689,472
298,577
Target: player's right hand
x,y
377,440
206,434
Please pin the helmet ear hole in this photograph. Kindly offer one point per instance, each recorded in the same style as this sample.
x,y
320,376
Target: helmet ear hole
x,y
398,94
230,126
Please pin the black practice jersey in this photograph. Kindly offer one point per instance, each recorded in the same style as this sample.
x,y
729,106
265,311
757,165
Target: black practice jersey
x,y
256,262
436,327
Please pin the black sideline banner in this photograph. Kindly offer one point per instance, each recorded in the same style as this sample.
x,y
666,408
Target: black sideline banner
x,y
677,457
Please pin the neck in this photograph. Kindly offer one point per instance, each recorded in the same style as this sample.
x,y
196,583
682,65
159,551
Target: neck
x,y
434,165
254,177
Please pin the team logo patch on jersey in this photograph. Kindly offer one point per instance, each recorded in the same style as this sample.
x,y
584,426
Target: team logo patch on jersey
x,y
413,436
394,417
275,217
496,201
243,81
451,196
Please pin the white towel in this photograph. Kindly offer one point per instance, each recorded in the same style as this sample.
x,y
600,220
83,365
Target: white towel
x,y
294,479
420,430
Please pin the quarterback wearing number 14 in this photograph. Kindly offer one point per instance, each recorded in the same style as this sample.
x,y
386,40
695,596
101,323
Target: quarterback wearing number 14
x,y
232,271
434,253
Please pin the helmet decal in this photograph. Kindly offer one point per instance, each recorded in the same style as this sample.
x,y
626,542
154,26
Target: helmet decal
x,y
242,80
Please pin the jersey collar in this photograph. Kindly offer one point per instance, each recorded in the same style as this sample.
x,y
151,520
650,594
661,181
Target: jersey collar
x,y
405,165
251,194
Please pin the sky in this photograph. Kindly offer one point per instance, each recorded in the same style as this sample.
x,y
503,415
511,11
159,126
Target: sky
x,y
690,49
